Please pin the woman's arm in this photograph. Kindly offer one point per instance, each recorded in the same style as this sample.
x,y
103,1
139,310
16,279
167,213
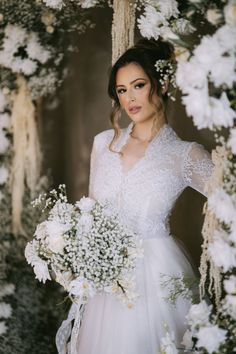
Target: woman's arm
x,y
197,167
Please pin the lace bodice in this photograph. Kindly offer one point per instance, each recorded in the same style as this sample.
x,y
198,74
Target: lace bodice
x,y
145,195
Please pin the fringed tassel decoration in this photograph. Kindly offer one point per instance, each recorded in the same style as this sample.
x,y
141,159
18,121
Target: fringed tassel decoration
x,y
211,224
27,157
122,27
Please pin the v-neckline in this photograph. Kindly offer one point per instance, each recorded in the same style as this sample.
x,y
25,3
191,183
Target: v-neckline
x,y
123,141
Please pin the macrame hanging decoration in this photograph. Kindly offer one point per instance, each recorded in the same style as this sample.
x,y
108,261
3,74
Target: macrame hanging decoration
x,y
219,156
27,155
122,27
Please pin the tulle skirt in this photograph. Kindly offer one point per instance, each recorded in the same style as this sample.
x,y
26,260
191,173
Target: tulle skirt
x,y
109,327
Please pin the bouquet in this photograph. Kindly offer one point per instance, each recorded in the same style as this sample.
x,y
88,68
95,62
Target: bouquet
x,y
84,247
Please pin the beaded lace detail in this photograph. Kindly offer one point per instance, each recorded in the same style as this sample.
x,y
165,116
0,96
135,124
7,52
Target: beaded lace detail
x,y
145,195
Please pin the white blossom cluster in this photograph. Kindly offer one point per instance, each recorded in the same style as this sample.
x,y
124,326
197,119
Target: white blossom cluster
x,y
223,247
213,61
160,19
4,141
5,309
204,329
58,4
168,344
17,38
54,4
86,247
229,302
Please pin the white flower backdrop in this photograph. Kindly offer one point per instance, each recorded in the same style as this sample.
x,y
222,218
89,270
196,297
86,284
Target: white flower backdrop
x,y
35,39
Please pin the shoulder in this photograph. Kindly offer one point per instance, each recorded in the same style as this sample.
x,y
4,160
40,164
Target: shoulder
x,y
103,138
187,147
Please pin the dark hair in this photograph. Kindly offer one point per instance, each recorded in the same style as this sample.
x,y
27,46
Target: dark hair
x,y
145,53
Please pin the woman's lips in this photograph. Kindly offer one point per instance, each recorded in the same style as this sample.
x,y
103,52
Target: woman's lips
x,y
134,109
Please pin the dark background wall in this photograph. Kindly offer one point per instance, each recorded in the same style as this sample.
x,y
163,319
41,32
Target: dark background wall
x,y
84,111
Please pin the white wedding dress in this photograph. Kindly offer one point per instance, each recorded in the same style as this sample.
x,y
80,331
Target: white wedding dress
x,y
144,197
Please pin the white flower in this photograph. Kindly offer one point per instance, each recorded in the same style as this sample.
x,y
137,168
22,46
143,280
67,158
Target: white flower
x,y
226,36
232,234
230,13
208,52
85,4
198,314
3,175
168,344
16,37
81,287
41,271
5,120
223,71
221,112
40,266
190,75
232,140
85,204
187,339
26,66
223,205
229,304
85,223
4,142
41,231
168,8
230,284
55,240
198,106
3,101
183,26
167,33
5,310
149,23
54,4
6,289
222,254
16,33
35,50
3,328
214,16
210,338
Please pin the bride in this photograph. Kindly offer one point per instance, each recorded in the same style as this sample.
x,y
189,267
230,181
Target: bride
x,y
142,169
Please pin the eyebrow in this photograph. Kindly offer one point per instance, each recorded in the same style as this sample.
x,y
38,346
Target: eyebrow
x,y
140,78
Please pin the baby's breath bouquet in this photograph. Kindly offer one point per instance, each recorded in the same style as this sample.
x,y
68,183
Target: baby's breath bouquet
x,y
84,247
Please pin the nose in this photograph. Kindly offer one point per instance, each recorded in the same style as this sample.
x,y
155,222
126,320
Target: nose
x,y
131,96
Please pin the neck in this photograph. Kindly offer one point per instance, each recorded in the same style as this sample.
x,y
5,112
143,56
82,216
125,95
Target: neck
x,y
145,131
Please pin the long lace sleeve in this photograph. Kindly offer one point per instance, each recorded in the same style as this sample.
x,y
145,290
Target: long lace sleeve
x,y
197,167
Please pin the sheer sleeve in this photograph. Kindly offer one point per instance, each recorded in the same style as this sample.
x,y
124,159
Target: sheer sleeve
x,y
197,167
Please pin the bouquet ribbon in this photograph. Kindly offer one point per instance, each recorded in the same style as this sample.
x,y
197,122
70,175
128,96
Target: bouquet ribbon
x,y
67,330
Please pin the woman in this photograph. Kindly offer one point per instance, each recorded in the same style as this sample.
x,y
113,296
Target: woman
x,y
142,170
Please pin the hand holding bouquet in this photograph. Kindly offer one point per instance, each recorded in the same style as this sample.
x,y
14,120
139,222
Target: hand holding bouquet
x,y
86,248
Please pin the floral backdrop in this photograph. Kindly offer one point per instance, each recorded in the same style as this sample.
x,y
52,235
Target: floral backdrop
x,y
36,39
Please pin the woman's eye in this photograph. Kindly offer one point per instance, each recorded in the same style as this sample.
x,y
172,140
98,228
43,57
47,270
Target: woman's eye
x,y
140,85
120,91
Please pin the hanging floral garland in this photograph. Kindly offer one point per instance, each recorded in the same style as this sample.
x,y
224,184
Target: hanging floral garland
x,y
35,41
207,78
